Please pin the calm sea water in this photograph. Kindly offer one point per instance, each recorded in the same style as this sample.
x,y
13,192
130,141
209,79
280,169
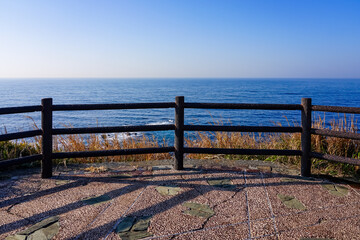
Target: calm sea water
x,y
74,91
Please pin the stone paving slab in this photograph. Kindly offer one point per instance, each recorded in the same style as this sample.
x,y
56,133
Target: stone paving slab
x,y
156,202
310,193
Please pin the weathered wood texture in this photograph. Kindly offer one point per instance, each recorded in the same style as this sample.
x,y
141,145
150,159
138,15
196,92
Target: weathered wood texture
x,y
334,158
21,160
104,153
213,128
330,133
321,108
179,133
26,109
18,135
46,143
306,137
144,128
243,106
114,106
244,151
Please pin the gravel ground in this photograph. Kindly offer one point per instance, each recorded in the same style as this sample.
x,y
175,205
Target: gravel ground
x,y
240,201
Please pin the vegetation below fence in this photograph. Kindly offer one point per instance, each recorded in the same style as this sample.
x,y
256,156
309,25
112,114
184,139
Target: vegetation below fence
x,y
290,141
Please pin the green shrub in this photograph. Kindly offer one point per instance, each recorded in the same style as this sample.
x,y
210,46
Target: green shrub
x,y
10,150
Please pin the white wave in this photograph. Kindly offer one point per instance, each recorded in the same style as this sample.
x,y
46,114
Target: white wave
x,y
170,121
123,136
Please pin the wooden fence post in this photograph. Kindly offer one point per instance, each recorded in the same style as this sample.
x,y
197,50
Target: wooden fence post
x,y
179,133
46,144
306,137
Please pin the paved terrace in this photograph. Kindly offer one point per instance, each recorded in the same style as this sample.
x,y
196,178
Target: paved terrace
x,y
201,202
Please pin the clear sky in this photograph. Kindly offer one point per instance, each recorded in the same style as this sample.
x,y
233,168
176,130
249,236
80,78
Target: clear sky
x,y
179,38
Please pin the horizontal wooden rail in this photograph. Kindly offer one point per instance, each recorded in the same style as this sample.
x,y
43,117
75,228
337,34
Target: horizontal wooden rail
x,y
26,109
114,106
334,158
17,135
47,131
241,128
331,133
252,106
143,128
239,151
336,109
105,153
21,160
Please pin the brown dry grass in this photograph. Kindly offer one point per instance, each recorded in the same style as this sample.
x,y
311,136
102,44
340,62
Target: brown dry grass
x,y
291,141
93,142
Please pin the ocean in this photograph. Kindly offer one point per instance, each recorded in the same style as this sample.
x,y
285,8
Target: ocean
x,y
24,92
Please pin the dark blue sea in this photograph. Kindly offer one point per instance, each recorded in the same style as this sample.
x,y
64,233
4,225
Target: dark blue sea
x,y
24,92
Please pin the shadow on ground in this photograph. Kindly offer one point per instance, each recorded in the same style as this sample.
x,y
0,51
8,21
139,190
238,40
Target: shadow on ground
x,y
196,203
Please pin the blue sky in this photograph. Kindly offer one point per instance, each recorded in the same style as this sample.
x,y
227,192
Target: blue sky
x,y
179,38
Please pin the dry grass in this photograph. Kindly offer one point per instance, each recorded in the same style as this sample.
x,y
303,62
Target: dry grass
x,y
94,142
292,141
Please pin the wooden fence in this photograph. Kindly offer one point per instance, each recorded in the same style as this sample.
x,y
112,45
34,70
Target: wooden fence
x,y
47,131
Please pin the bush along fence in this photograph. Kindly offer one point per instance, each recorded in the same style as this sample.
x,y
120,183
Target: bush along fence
x,y
47,132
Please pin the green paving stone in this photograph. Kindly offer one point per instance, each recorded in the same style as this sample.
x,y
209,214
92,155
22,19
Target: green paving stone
x,y
336,190
134,235
285,198
51,230
142,224
198,206
341,189
223,183
291,202
62,182
329,187
168,190
16,237
44,223
38,235
131,228
44,230
125,225
96,200
197,213
198,210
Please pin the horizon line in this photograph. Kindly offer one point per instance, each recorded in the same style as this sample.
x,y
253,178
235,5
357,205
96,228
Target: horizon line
x,y
153,78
